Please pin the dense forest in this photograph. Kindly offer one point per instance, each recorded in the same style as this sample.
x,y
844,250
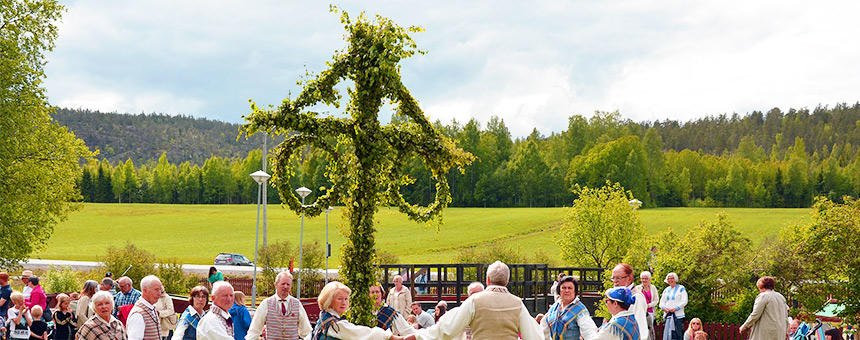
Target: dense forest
x,y
773,159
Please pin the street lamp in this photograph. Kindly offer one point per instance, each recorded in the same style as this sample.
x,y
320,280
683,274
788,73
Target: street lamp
x,y
303,192
260,177
327,245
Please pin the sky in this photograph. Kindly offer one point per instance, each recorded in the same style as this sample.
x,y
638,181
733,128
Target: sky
x,y
531,63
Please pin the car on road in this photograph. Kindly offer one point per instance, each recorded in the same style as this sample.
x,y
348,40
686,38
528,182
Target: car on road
x,y
231,259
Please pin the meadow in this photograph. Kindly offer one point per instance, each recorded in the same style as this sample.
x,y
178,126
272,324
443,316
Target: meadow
x,y
194,234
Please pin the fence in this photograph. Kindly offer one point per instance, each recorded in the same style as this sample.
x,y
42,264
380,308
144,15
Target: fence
x,y
716,331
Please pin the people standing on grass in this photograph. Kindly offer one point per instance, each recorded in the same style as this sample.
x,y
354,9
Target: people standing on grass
x,y
64,318
282,314
567,318
622,276
672,302
143,321
769,317
649,291
399,297
186,329
103,325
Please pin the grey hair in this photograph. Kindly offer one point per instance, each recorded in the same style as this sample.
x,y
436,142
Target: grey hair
x,y
219,285
666,280
645,274
498,273
282,274
475,286
102,295
148,281
329,291
130,281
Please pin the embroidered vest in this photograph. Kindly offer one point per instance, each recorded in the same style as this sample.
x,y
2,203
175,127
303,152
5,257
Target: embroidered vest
x,y
497,314
152,330
385,317
219,313
326,321
624,327
280,326
562,322
191,320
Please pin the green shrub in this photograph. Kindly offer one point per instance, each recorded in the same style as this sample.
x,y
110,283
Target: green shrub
x,y
174,279
489,253
272,258
61,280
117,260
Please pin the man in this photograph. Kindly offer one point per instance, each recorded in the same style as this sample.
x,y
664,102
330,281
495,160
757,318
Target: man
x,y
474,288
107,285
127,295
423,318
622,276
25,279
282,314
143,320
217,323
5,294
769,316
109,275
492,314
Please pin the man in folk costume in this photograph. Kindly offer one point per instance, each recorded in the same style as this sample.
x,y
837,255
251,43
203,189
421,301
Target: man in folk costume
x,y
143,322
281,314
623,325
622,276
217,323
493,314
386,316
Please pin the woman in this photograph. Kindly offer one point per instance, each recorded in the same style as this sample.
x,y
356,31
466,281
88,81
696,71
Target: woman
x,y
439,310
166,314
187,327
651,296
770,313
37,294
557,324
84,311
399,297
215,275
386,316
695,326
334,302
64,318
672,303
18,318
622,326
102,325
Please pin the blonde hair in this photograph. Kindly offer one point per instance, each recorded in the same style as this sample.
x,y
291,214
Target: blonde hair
x,y
17,297
60,299
36,311
328,292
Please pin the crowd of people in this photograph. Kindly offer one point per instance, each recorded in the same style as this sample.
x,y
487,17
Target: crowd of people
x,y
100,311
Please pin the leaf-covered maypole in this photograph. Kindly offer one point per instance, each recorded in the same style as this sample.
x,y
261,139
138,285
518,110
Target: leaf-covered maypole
x,y
365,159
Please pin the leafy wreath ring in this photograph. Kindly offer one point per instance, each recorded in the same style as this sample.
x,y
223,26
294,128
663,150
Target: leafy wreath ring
x,y
282,171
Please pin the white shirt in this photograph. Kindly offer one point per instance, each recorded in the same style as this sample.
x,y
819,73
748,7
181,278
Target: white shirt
x,y
400,326
605,333
640,312
587,328
26,291
135,326
259,319
210,326
346,330
452,324
12,313
674,298
182,326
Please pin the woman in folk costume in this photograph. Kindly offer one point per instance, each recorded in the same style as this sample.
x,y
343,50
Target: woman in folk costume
x,y
386,316
186,328
567,318
672,302
334,302
622,326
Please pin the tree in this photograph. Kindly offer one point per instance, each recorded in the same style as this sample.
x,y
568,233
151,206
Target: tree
x,y
366,159
600,227
39,159
620,161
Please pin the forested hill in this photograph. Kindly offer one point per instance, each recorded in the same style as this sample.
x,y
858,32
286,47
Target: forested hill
x,y
143,137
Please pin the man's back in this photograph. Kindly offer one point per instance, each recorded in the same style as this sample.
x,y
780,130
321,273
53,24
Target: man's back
x,y
496,314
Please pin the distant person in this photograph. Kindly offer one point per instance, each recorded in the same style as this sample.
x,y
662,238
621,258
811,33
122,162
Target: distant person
x,y
652,261
18,318
652,297
38,328
672,302
187,327
622,325
422,318
37,294
109,275
568,318
166,315
127,295
215,275
694,327
25,280
64,318
84,310
217,324
399,297
241,316
103,325
283,315
833,334
769,317
143,321
622,276
5,294
793,326
107,285
439,310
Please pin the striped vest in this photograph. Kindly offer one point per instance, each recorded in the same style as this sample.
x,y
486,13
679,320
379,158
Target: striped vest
x,y
563,322
624,327
152,330
280,326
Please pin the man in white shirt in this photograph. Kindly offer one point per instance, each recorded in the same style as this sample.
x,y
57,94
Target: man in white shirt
x,y
143,322
283,315
217,324
494,313
622,276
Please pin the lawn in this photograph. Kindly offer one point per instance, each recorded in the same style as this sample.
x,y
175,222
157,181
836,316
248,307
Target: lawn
x,y
196,233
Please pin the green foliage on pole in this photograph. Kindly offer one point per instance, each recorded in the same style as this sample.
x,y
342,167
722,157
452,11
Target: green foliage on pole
x,y
366,159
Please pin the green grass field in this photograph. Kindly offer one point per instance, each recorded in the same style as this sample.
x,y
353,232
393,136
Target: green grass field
x,y
196,233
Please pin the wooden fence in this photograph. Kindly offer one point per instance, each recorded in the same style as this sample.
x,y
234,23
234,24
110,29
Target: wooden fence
x,y
716,331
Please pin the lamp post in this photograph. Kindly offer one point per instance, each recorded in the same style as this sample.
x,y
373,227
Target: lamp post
x,y
303,192
327,245
260,177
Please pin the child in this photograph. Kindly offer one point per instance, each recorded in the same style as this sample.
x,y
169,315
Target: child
x,y
411,320
38,328
701,335
18,318
64,318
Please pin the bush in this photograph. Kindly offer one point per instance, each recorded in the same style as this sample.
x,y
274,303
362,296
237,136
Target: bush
x,y
272,258
488,254
117,260
174,279
61,280
313,259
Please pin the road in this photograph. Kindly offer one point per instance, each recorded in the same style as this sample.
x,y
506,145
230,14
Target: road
x,y
202,269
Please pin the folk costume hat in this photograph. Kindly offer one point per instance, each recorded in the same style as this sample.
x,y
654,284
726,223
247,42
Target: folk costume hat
x,y
621,294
